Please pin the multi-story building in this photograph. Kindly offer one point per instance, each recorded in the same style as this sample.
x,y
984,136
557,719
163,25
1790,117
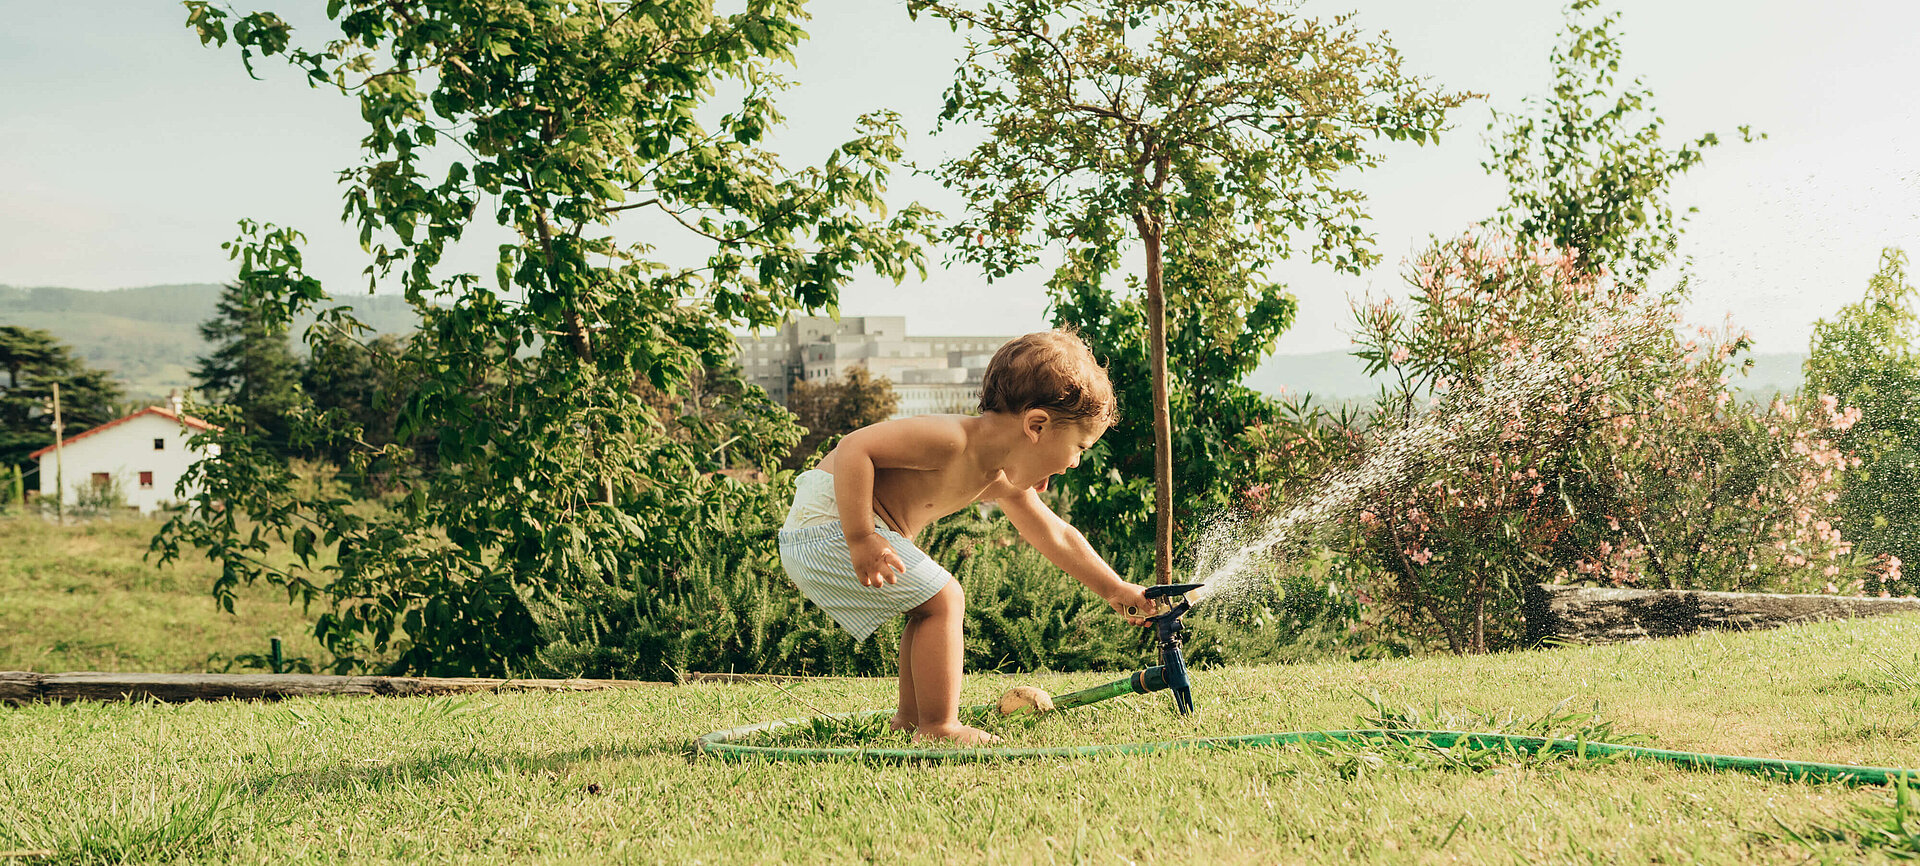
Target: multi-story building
x,y
929,374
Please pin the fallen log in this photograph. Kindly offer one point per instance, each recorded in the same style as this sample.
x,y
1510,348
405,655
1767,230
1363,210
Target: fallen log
x,y
1589,614
19,687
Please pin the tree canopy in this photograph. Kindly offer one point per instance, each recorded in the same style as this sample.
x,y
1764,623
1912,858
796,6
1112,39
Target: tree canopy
x,y
571,126
1217,138
1586,167
836,407
34,360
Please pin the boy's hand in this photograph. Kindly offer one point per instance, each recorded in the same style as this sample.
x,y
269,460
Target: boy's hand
x,y
874,560
1130,600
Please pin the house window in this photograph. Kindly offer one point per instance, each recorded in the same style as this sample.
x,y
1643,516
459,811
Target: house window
x,y
146,480
102,479
159,444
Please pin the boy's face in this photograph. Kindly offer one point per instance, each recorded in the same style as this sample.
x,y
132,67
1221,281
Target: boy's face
x,y
1055,446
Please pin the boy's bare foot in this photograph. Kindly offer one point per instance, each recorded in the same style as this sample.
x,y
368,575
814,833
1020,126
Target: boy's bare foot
x,y
901,723
958,734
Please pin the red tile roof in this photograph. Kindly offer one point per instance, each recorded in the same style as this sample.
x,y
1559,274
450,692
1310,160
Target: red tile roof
x,y
185,420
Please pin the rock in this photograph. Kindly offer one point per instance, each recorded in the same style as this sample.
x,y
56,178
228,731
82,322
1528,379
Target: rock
x,y
1025,699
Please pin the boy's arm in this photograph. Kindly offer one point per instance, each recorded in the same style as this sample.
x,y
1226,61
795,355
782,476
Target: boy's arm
x,y
1065,547
905,443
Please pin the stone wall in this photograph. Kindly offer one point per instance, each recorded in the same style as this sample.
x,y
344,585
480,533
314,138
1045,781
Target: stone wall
x,y
1587,614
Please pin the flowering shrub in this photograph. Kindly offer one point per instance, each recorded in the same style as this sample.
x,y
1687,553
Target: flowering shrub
x,y
1578,435
1865,357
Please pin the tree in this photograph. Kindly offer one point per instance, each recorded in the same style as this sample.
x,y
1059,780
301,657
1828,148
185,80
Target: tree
x,y
718,405
251,366
34,360
1206,131
1864,359
835,408
360,381
552,477
1585,167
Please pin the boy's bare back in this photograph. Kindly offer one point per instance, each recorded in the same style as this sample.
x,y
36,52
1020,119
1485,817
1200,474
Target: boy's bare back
x,y
925,468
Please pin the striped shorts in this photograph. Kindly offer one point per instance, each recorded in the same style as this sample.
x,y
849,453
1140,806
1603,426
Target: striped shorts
x,y
817,559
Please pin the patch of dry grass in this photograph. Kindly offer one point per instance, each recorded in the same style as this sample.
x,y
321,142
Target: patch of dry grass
x,y
81,597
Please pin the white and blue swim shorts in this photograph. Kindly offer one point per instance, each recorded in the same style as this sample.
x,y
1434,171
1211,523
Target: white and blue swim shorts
x,y
817,559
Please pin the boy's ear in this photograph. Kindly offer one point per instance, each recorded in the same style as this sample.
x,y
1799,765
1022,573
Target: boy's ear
x,y
1034,423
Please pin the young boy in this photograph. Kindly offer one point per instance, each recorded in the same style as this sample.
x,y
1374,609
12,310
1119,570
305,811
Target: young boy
x,y
847,546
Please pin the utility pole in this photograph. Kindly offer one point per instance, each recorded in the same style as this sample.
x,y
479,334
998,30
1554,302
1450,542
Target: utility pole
x,y
59,462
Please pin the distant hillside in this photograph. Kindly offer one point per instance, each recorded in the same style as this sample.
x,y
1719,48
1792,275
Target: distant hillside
x,y
1338,377
1331,377
150,336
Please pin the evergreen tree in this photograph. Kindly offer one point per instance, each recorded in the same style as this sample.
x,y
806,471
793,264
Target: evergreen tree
x,y
251,367
361,382
33,360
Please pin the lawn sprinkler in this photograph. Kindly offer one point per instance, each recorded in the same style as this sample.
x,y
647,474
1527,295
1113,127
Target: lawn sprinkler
x,y
1172,671
1169,674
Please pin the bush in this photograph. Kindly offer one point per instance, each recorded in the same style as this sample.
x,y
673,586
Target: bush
x,y
732,609
98,499
1865,359
1024,614
721,605
1546,425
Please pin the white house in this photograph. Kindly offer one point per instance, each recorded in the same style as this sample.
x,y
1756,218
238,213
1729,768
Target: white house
x,y
145,453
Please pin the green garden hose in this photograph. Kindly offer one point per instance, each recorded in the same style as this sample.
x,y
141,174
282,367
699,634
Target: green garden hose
x,y
724,744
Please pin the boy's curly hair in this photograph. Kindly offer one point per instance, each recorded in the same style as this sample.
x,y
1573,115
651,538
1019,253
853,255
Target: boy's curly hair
x,y
1051,370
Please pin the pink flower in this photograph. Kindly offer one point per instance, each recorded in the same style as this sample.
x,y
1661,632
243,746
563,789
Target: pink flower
x,y
1423,557
1401,354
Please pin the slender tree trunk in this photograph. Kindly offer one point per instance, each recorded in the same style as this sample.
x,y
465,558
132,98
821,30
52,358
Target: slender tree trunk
x,y
1150,235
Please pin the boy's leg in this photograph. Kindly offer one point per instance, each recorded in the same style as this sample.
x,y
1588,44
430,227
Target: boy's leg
x,y
907,717
937,655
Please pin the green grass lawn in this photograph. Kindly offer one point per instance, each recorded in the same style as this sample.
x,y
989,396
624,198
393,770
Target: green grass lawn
x,y
605,777
80,597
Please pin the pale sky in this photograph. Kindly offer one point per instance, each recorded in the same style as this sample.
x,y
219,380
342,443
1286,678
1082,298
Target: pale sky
x,y
130,151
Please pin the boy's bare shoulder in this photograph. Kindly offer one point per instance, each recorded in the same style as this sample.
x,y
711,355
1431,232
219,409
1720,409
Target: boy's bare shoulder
x,y
919,442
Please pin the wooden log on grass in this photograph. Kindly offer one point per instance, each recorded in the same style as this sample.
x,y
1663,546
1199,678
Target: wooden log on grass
x,y
18,687
1589,614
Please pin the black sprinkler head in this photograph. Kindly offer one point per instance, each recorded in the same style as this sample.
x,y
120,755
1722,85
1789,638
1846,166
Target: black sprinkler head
x,y
1167,628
